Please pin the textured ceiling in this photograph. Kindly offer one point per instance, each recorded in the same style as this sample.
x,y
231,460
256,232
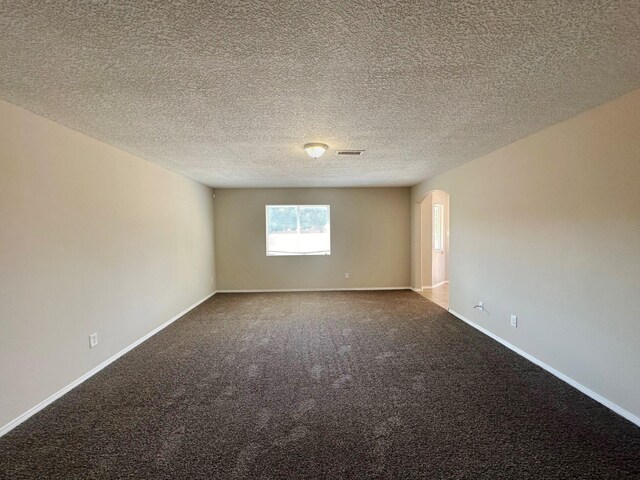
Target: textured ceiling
x,y
227,92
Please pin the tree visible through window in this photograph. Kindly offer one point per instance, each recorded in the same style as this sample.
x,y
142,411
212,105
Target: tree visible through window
x,y
298,230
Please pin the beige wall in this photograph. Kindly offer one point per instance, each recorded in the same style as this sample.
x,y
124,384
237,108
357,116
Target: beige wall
x,y
548,228
416,245
369,240
92,239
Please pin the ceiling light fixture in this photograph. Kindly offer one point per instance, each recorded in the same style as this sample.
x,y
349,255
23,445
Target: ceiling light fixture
x,y
315,150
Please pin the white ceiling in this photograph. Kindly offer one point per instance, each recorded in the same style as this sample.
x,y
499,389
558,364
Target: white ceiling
x,y
227,92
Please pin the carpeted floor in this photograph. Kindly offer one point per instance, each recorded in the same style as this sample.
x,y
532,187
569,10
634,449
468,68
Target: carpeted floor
x,y
322,385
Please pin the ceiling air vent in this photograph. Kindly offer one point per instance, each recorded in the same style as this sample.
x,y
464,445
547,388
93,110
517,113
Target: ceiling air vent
x,y
350,153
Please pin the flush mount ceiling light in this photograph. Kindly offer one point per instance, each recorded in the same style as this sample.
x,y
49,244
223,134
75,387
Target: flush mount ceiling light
x,y
315,150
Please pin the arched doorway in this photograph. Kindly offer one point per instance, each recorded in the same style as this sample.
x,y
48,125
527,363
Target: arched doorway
x,y
434,247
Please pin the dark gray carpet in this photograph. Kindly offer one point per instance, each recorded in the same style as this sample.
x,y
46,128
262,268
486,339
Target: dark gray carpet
x,y
322,385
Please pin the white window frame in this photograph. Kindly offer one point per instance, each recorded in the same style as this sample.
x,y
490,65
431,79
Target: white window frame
x,y
266,230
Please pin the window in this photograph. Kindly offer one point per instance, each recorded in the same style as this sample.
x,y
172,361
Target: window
x,y
298,230
438,226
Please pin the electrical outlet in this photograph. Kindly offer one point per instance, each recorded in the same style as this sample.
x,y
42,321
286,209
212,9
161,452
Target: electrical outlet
x,y
346,275
514,321
93,340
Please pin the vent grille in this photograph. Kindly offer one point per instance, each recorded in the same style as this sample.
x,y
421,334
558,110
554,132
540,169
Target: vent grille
x,y
350,153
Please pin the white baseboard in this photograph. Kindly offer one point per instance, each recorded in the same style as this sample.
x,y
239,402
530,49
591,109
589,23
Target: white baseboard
x,y
33,410
428,287
313,290
587,391
417,290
